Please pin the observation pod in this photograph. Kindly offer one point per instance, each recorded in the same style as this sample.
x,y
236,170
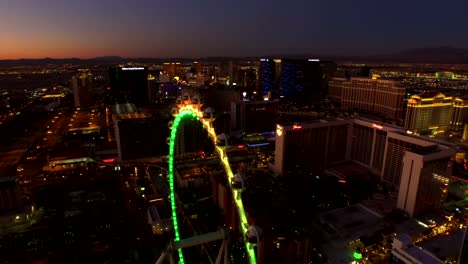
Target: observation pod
x,y
179,101
238,182
222,140
186,98
170,124
209,114
196,101
254,234
174,111
168,140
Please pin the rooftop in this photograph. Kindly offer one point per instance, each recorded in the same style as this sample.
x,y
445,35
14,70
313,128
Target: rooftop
x,y
121,109
412,227
351,222
338,253
423,142
381,204
422,255
346,169
445,246
8,179
425,150
430,94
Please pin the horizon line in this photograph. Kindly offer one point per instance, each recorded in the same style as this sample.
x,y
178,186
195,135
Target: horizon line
x,y
316,54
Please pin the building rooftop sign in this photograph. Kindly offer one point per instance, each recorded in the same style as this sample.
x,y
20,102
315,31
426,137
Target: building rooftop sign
x,y
133,68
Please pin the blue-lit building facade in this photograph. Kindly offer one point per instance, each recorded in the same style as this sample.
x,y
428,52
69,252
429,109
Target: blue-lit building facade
x,y
301,79
267,77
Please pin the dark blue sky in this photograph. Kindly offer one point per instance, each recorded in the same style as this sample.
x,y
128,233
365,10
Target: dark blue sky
x,y
192,28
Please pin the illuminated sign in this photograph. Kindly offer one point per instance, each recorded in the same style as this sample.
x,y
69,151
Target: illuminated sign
x,y
296,127
133,69
263,59
53,96
279,130
377,126
69,161
314,60
258,145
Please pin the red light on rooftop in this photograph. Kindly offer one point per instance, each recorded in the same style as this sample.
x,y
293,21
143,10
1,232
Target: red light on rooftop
x,y
342,181
377,126
108,160
296,127
241,146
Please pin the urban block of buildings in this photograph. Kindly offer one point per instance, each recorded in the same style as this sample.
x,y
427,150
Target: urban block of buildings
x,y
434,112
383,97
418,167
302,79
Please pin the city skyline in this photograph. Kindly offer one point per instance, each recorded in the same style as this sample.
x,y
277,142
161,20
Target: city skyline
x,y
288,155
261,131
64,29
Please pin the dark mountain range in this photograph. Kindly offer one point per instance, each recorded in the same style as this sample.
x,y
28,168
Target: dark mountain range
x,y
428,55
439,55
50,61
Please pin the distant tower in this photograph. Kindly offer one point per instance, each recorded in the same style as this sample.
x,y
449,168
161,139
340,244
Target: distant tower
x,y
198,68
464,247
83,80
267,76
301,79
465,133
76,91
248,80
424,179
81,86
152,88
130,84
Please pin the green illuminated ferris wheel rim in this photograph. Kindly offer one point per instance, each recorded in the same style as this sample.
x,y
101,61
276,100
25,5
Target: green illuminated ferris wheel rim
x,y
190,112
